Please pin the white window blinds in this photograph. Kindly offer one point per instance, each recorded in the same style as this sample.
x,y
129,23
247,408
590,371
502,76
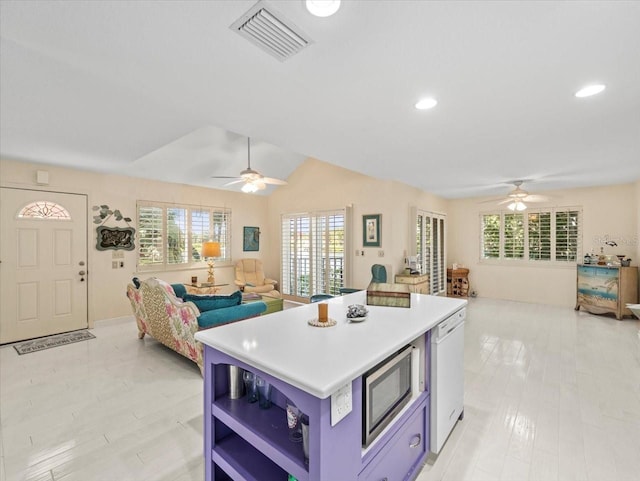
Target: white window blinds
x,y
539,235
171,235
431,249
313,253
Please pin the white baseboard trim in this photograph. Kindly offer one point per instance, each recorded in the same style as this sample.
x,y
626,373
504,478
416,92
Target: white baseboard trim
x,y
114,320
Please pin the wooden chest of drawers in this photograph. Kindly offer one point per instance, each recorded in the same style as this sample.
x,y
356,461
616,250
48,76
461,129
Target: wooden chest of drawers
x,y
604,289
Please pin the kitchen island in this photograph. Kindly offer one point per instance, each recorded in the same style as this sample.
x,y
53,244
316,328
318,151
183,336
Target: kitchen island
x,y
307,365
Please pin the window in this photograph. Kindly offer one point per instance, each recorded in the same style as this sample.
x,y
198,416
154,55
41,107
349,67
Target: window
x,y
171,236
514,236
430,249
43,209
550,235
490,236
313,253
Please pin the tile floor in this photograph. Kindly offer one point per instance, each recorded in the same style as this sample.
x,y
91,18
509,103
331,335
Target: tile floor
x,y
550,394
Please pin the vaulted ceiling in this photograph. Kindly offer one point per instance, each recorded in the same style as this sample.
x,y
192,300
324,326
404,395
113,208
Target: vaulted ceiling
x,y
167,90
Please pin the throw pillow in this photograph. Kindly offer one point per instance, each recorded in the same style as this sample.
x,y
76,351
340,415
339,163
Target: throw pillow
x,y
180,290
208,303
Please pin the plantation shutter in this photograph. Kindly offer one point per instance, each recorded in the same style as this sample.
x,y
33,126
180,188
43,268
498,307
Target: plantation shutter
x,y
514,236
431,248
150,236
222,232
539,236
200,232
172,235
568,235
490,247
313,247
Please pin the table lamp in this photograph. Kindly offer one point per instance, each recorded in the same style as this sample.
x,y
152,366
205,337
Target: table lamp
x,y
209,251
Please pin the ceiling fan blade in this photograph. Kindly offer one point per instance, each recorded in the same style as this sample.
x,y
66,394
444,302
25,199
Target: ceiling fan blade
x,y
489,201
224,177
272,181
507,201
237,181
536,198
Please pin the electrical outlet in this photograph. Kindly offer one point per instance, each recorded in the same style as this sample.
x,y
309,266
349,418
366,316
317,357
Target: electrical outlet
x,y
341,403
380,253
357,252
114,264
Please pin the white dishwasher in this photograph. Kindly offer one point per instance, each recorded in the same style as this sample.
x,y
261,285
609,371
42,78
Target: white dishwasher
x,y
447,377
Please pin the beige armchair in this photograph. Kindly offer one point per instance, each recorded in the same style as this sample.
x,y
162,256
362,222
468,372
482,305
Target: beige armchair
x,y
250,278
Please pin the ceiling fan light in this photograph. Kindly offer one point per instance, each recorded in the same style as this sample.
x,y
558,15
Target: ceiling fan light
x,y
249,188
517,205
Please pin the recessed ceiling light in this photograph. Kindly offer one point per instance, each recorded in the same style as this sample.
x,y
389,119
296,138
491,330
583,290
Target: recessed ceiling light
x,y
322,8
428,103
590,90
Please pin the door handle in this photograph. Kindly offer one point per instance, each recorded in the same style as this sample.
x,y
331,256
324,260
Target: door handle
x,y
417,443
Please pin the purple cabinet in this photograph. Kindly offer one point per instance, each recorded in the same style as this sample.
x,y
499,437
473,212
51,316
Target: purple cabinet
x,y
404,450
246,443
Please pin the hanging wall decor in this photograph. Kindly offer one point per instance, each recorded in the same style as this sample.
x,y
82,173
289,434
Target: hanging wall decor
x,y
371,230
251,239
116,238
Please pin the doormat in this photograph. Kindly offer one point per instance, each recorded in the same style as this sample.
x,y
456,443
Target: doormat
x,y
43,343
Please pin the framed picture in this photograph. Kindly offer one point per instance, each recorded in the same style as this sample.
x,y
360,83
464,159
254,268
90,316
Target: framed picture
x,y
371,228
251,239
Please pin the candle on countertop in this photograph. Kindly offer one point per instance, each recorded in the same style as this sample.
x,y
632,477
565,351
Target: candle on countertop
x,y
323,311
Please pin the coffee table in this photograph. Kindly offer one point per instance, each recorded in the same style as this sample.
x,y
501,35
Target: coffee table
x,y
274,304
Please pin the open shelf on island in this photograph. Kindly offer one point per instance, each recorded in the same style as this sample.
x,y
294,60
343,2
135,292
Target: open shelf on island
x,y
264,429
243,462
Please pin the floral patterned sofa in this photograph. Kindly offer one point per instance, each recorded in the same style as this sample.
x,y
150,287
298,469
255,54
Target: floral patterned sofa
x,y
172,321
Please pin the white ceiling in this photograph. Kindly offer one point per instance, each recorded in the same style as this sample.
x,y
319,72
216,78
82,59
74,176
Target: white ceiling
x,y
167,90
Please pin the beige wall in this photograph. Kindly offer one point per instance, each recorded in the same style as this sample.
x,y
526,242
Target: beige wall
x,y
317,185
608,213
637,239
107,286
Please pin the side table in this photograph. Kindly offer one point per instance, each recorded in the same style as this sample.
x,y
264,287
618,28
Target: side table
x,y
418,283
458,282
204,288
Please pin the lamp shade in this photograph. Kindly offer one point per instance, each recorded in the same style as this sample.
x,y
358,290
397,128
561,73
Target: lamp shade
x,y
211,249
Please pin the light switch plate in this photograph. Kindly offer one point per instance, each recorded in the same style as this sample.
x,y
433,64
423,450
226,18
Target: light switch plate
x,y
341,404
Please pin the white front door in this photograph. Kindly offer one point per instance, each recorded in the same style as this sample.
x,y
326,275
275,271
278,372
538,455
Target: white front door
x,y
43,255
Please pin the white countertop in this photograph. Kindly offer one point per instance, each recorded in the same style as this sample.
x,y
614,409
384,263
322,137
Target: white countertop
x,y
321,360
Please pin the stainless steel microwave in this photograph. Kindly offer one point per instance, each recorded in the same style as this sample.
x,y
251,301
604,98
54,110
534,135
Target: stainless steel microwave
x,y
386,389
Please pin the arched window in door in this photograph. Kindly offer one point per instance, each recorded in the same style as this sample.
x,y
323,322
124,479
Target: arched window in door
x,y
43,209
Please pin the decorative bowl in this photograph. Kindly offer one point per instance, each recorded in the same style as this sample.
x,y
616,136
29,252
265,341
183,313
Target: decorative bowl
x,y
357,312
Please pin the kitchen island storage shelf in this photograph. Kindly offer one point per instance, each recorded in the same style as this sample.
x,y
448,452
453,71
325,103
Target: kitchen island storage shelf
x,y
241,461
245,443
264,429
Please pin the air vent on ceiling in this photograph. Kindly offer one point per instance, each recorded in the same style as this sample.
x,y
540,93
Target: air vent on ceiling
x,y
270,31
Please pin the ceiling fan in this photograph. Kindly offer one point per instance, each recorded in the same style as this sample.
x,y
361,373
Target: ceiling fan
x,y
252,180
517,197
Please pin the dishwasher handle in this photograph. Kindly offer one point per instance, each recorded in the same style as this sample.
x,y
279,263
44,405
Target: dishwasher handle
x,y
443,335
